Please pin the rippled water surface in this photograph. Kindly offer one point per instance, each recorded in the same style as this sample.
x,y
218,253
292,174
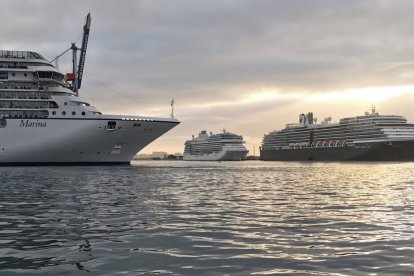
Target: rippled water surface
x,y
194,218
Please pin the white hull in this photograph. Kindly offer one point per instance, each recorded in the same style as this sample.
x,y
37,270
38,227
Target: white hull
x,y
224,155
78,141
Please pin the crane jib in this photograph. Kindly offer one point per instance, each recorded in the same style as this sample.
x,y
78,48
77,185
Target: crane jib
x,y
82,57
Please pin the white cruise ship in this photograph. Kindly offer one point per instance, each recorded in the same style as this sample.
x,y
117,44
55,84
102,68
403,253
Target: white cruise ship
x,y
44,121
225,146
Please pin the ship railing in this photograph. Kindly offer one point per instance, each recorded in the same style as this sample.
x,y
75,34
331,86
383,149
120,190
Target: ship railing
x,y
10,66
13,54
317,144
299,145
18,88
371,141
24,114
20,55
25,95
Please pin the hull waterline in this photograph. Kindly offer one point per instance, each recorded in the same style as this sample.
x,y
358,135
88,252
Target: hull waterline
x,y
395,151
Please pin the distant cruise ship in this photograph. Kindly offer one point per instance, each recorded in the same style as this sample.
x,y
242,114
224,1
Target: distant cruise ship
x,y
371,137
224,146
44,121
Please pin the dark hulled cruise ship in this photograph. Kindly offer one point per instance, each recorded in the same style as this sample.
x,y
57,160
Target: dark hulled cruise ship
x,y
371,137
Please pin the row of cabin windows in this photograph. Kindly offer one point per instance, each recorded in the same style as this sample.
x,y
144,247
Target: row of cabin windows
x,y
5,75
13,66
24,86
28,104
73,113
30,95
75,103
37,75
35,114
50,75
38,85
31,114
20,55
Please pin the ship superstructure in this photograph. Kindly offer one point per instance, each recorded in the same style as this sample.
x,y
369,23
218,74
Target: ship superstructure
x,y
224,146
368,137
44,121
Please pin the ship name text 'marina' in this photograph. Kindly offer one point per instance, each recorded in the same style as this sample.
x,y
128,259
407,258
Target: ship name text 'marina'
x,y
28,123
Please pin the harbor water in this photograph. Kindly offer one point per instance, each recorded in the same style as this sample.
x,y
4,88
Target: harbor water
x,y
208,218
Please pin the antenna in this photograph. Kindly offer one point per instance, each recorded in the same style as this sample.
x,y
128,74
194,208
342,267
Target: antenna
x,y
172,108
57,63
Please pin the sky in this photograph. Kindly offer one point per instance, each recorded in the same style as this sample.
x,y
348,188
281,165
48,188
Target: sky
x,y
249,67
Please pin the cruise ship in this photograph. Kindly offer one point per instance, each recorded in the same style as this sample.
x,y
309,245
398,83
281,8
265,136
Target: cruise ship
x,y
371,137
44,121
224,146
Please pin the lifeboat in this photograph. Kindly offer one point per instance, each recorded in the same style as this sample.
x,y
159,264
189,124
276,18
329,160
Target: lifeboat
x,y
70,76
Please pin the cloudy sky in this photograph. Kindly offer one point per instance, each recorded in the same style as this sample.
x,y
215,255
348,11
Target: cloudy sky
x,y
246,66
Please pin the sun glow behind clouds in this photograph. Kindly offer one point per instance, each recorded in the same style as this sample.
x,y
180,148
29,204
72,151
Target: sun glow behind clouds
x,y
261,95
264,94
370,94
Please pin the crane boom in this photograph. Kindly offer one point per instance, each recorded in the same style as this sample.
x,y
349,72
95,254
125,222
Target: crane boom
x,y
82,56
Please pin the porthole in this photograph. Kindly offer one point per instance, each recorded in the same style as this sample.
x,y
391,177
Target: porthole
x,y
83,113
13,74
25,74
66,103
63,112
53,112
73,113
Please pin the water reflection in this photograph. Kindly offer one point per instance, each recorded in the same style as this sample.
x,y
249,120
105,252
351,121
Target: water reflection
x,y
197,218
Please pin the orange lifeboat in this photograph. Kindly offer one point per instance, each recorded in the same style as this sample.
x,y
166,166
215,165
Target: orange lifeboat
x,y
70,76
